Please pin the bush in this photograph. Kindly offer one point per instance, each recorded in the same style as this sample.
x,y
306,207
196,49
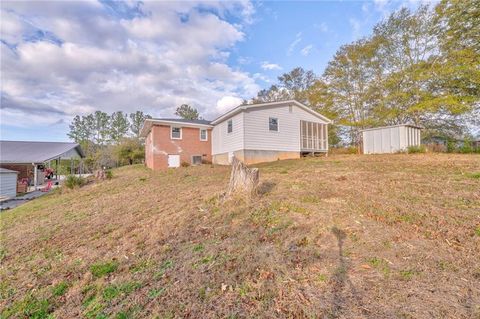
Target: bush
x,y
73,181
466,147
416,149
185,164
450,146
108,174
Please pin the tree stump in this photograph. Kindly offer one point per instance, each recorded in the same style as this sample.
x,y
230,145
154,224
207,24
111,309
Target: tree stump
x,y
243,180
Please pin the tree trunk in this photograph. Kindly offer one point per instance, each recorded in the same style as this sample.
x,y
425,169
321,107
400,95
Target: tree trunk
x,y
242,179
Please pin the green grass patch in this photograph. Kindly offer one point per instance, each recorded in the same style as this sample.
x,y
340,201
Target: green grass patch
x,y
380,264
113,291
29,307
167,264
156,292
407,274
477,230
102,269
60,289
198,248
322,278
474,175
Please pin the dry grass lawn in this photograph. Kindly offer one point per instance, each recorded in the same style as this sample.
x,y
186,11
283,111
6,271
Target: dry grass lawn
x,y
395,236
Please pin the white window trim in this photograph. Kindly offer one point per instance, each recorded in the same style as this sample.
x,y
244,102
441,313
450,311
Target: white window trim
x,y
231,120
278,124
171,131
206,134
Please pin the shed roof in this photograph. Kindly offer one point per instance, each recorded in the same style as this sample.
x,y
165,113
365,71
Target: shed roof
x,y
390,126
23,152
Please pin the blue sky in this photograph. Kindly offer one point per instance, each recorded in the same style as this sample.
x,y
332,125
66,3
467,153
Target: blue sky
x,y
61,59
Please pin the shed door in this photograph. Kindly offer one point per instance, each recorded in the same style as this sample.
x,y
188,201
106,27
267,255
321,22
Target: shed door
x,y
173,160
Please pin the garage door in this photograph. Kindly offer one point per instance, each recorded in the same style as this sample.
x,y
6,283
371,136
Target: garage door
x,y
173,160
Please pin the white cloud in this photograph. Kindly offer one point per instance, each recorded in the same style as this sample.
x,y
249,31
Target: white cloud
x,y
306,50
291,47
153,62
270,66
227,103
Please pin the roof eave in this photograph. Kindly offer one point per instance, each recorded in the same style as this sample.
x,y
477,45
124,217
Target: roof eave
x,y
147,125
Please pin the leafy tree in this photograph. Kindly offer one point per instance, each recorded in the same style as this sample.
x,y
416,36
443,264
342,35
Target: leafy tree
x,y
136,122
78,130
130,150
118,126
101,127
274,93
187,112
297,82
291,85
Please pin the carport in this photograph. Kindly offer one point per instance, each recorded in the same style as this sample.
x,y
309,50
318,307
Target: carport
x,y
27,157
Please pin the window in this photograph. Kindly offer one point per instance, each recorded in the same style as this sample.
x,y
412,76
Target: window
x,y
176,133
273,124
290,109
203,135
230,126
196,160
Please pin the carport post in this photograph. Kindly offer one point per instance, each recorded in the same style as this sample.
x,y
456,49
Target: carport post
x,y
35,181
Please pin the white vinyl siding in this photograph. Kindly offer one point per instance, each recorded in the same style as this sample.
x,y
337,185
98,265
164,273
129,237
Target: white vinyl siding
x,y
259,137
223,142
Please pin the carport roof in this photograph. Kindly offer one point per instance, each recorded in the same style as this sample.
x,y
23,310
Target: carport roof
x,y
23,152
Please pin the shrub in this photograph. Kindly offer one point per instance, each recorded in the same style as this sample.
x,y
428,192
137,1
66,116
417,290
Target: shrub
x,y
416,149
466,147
185,164
108,174
73,181
450,146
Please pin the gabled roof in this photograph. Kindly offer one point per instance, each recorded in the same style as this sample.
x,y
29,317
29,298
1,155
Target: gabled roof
x,y
244,107
147,125
23,152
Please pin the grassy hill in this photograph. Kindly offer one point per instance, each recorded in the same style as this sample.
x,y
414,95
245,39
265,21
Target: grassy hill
x,y
343,236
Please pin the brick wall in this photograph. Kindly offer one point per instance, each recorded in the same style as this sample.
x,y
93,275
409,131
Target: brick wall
x,y
158,145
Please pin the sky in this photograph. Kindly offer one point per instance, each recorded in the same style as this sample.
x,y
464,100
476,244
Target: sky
x,y
65,58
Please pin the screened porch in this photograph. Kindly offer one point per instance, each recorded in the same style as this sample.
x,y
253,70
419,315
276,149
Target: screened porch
x,y
313,137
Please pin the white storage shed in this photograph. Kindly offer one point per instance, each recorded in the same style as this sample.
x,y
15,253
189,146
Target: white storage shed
x,y
8,183
390,139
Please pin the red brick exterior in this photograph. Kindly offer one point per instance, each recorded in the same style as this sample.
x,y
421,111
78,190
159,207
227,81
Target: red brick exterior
x,y
158,145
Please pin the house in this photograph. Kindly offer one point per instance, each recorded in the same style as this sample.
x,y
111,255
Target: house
x,y
253,133
171,142
390,139
30,158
